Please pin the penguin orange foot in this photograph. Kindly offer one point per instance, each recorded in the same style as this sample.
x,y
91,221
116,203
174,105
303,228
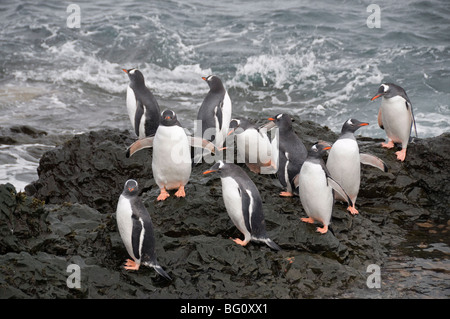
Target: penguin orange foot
x,y
308,220
239,242
389,144
286,194
131,265
163,195
322,230
180,192
352,210
401,155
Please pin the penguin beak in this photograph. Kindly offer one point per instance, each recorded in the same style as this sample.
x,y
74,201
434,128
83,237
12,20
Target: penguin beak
x,y
377,96
271,119
363,124
209,171
125,70
130,189
168,118
203,78
327,148
231,132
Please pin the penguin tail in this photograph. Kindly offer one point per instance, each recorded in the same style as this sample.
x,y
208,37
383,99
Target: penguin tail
x,y
158,269
269,242
161,271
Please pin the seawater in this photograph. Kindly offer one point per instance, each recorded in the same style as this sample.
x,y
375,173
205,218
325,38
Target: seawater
x,y
318,60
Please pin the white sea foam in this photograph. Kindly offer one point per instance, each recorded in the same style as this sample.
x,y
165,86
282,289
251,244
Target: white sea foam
x,y
17,164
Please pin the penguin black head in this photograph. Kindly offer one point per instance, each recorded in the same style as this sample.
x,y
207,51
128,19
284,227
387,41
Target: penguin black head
x,y
234,123
131,188
216,168
135,76
243,124
168,118
351,125
214,83
319,149
389,90
282,121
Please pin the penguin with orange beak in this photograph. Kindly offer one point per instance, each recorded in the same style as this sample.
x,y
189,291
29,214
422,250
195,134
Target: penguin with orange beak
x,y
243,203
136,230
171,162
317,188
143,109
291,153
395,116
344,161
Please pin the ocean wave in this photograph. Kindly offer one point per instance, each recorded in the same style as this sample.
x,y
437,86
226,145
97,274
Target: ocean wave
x,y
87,68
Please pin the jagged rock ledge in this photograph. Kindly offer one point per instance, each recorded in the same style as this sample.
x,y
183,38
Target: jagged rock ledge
x,y
67,217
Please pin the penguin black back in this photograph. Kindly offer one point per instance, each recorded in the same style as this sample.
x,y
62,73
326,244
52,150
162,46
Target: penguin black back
x,y
146,103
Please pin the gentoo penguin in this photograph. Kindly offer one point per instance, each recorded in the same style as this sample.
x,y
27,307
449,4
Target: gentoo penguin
x,y
171,162
316,188
136,230
344,162
291,153
395,116
215,112
243,203
253,146
143,109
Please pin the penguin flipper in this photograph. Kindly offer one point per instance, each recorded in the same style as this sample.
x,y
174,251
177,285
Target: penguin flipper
x,y
196,141
380,120
138,116
338,188
372,160
413,120
267,127
146,142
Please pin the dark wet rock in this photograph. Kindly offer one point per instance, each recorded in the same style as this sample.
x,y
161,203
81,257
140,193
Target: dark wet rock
x,y
68,217
91,169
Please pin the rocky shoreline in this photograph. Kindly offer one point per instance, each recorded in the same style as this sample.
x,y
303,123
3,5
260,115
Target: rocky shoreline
x,y
67,217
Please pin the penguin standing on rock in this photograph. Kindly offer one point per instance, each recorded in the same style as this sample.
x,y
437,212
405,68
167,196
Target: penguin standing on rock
x,y
143,109
291,153
395,116
215,112
344,162
171,162
136,230
243,203
253,146
316,188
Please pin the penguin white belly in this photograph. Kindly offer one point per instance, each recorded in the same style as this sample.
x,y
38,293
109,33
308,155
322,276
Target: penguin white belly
x,y
233,204
131,105
345,167
226,115
275,151
251,147
264,148
241,146
125,223
142,124
316,196
286,174
396,119
171,163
